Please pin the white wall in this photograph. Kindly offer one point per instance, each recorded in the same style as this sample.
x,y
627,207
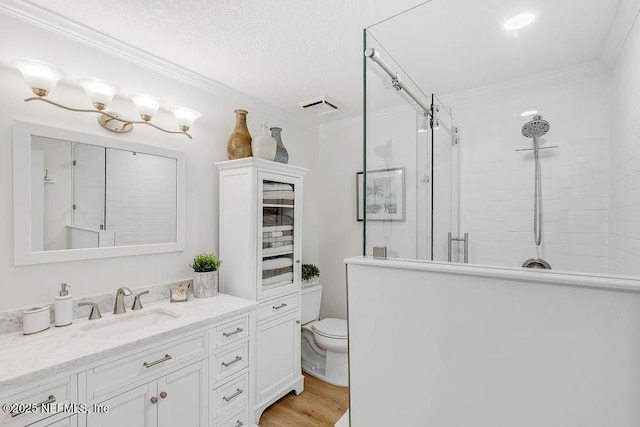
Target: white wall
x,y
37,284
486,347
340,234
625,158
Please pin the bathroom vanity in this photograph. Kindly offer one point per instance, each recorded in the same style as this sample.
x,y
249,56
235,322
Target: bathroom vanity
x,y
187,364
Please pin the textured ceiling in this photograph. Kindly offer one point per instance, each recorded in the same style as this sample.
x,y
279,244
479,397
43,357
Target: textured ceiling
x,y
286,51
280,51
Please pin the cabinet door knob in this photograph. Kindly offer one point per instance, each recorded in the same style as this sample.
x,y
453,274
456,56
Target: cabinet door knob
x,y
297,261
154,400
163,394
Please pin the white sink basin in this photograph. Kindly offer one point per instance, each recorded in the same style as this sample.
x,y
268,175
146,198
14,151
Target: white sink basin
x,y
127,323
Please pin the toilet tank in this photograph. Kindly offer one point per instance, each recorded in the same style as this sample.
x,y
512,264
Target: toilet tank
x,y
311,298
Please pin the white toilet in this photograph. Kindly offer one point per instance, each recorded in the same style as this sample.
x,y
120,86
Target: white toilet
x,y
324,342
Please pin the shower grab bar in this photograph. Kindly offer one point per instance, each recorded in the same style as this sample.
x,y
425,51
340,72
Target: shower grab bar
x,y
398,84
539,148
465,240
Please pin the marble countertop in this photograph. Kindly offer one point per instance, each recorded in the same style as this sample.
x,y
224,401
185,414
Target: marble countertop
x,y
26,358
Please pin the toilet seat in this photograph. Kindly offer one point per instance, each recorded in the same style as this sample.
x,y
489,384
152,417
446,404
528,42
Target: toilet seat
x,y
331,328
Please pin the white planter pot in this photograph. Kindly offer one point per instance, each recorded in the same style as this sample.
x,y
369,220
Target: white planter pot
x,y
205,285
310,282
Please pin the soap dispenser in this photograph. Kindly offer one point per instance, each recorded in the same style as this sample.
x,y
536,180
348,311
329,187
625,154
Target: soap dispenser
x,y
63,307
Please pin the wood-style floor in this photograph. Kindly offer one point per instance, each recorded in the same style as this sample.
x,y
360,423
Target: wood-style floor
x,y
319,405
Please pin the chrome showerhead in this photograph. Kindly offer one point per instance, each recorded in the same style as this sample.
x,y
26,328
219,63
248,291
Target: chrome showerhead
x,y
535,128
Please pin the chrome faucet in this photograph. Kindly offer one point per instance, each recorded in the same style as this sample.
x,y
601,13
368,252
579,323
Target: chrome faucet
x,y
118,307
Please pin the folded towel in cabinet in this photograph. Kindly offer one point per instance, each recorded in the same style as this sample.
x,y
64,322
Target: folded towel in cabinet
x,y
277,250
279,262
276,186
276,228
288,277
278,239
276,272
272,234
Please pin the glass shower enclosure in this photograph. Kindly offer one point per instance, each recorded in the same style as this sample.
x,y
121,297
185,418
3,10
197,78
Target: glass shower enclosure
x,y
408,195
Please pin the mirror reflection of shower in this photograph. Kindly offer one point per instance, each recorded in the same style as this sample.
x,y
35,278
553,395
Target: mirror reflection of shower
x,y
536,128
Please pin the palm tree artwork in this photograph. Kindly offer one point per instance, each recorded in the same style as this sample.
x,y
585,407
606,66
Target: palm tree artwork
x,y
374,191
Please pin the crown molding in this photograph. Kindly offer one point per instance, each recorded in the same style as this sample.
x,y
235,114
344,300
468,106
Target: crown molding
x,y
577,72
622,25
61,25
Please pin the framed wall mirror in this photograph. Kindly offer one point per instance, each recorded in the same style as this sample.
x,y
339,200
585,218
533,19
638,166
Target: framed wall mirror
x,y
79,196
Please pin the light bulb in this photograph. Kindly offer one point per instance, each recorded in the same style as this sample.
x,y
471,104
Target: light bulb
x,y
185,117
41,77
100,92
519,21
146,105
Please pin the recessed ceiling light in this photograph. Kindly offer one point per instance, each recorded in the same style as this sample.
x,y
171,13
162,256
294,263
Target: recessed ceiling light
x,y
519,21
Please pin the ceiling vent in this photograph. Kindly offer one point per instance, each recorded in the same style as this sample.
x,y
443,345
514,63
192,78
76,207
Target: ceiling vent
x,y
320,105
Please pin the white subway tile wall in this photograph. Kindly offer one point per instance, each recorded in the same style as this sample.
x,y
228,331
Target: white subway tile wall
x,y
624,247
497,182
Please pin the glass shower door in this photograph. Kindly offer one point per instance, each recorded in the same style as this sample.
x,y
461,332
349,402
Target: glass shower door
x,y
448,244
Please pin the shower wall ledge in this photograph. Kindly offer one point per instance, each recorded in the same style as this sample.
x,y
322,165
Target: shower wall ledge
x,y
545,277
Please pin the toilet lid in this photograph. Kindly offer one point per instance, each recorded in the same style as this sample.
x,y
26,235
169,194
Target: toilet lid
x,y
331,328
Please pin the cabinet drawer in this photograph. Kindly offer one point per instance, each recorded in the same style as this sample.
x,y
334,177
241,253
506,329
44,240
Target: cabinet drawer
x,y
38,402
105,378
230,332
229,360
240,418
278,306
230,396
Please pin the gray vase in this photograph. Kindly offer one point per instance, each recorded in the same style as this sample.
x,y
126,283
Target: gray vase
x,y
282,155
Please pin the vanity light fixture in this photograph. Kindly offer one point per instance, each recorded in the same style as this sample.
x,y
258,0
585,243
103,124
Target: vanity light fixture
x,y
519,21
42,78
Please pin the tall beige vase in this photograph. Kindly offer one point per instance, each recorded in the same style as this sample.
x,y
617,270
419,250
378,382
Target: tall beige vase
x,y
239,144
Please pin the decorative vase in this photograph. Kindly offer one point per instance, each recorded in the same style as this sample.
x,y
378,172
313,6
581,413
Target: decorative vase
x,y
282,155
205,285
239,143
264,146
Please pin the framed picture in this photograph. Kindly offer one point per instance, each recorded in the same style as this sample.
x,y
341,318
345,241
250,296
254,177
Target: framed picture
x,y
384,195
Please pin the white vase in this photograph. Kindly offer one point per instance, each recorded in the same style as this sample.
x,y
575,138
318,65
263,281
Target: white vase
x,y
264,146
205,285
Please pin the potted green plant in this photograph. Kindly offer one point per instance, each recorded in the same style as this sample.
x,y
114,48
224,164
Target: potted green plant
x,y
205,280
310,274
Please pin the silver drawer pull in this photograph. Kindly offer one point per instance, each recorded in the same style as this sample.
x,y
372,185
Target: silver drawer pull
x,y
164,359
234,395
237,331
240,424
50,400
283,305
236,360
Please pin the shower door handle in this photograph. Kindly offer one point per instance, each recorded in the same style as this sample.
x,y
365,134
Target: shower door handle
x,y
464,240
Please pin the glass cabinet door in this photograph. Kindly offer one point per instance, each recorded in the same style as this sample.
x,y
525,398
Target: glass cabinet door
x,y
277,264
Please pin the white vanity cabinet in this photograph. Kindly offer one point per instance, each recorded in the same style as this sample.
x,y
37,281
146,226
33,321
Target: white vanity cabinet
x,y
197,373
260,243
69,421
38,404
176,399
